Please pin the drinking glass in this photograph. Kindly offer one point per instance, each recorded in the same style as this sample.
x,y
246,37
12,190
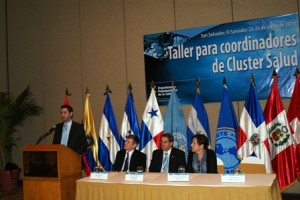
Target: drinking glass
x,y
181,169
139,169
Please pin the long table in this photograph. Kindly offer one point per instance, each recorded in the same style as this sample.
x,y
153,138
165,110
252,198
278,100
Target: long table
x,y
156,187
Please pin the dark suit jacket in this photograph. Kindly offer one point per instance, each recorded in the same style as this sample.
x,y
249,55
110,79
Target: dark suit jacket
x,y
211,162
137,159
77,140
176,159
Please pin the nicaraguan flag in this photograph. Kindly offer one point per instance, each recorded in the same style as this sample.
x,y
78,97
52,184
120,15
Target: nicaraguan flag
x,y
152,127
130,124
110,140
253,131
175,122
226,136
197,120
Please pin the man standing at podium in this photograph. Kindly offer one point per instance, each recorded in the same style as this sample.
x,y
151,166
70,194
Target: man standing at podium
x,y
69,132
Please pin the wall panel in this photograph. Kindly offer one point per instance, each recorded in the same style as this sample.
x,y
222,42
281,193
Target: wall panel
x,y
25,63
244,10
61,58
3,49
103,54
143,17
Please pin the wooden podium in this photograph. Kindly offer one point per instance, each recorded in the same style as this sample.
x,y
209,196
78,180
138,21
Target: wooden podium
x,y
50,172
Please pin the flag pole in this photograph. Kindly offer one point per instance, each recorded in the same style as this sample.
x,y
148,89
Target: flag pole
x,y
198,85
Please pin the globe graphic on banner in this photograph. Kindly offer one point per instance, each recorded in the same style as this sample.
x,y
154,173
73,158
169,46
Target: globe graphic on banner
x,y
226,149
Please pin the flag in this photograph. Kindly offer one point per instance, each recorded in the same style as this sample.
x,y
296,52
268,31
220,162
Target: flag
x,y
198,120
252,133
280,146
66,101
293,115
130,124
110,140
174,122
226,136
152,127
91,153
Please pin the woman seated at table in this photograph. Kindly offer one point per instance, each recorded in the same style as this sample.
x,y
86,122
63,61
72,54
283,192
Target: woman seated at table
x,y
201,159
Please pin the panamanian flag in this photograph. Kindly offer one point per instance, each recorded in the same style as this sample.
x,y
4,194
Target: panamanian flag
x,y
252,133
198,120
130,124
152,127
110,140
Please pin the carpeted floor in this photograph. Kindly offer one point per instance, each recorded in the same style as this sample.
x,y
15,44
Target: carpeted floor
x,y
13,195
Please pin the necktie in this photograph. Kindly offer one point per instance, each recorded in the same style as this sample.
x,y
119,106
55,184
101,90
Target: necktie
x,y
126,163
64,139
165,163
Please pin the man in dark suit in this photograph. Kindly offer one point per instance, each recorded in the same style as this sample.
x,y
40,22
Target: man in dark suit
x,y
69,132
129,158
167,158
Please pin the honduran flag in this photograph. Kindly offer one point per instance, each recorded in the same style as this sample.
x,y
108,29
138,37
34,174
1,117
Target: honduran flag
x,y
130,124
152,127
252,133
293,115
280,146
226,136
198,120
174,122
110,140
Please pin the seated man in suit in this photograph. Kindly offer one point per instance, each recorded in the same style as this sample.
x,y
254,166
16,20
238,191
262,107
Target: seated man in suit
x,y
129,158
167,158
69,132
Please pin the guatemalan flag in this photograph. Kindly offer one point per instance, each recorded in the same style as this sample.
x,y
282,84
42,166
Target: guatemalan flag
x,y
226,136
293,116
110,140
197,120
130,124
152,127
281,146
252,134
175,122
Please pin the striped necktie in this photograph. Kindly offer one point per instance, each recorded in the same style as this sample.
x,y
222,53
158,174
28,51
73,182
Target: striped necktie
x,y
166,162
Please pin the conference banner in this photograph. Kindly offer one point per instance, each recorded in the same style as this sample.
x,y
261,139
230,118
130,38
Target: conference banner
x,y
231,50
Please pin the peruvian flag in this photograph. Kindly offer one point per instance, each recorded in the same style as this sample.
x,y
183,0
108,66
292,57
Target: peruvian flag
x,y
293,116
152,127
280,145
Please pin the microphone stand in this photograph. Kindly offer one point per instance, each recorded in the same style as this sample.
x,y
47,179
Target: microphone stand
x,y
45,135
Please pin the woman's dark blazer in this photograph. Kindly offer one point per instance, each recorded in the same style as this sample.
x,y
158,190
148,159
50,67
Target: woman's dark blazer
x,y
211,162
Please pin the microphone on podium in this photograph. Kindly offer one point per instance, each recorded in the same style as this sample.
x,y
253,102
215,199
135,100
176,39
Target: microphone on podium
x,y
46,134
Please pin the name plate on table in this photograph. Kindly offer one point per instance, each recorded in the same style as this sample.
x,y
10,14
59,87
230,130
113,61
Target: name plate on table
x,y
178,177
132,176
233,178
99,175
